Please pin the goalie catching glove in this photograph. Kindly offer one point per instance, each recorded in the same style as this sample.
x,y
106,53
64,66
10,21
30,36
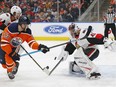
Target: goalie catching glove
x,y
111,45
43,48
64,54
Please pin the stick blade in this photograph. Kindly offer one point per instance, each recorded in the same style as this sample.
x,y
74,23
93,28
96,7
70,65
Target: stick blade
x,y
46,71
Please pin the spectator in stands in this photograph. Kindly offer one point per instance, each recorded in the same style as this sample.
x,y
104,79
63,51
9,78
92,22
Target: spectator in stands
x,y
113,3
42,15
55,13
50,16
36,18
66,17
36,6
29,13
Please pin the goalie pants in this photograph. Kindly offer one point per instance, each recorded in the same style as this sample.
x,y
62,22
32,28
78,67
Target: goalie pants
x,y
92,53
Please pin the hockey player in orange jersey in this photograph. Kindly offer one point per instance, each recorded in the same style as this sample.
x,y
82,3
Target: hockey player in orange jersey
x,y
12,37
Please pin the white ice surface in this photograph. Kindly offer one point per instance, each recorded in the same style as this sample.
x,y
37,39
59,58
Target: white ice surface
x,y
30,75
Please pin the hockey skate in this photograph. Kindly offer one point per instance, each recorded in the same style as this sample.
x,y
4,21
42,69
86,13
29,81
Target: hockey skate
x,y
74,69
15,68
11,75
94,75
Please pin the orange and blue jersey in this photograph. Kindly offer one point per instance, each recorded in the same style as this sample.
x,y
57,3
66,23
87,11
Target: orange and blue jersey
x,y
9,36
11,32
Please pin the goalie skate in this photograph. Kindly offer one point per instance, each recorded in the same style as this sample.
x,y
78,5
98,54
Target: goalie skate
x,y
11,75
74,69
94,75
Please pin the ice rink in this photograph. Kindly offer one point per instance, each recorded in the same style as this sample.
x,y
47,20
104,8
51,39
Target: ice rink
x,y
30,75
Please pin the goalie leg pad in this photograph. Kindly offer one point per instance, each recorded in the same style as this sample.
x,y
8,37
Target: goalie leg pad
x,y
85,63
74,68
92,53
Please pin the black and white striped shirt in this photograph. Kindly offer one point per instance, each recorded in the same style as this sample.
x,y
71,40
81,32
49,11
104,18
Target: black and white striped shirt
x,y
110,17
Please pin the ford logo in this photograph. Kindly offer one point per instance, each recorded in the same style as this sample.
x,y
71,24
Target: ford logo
x,y
55,29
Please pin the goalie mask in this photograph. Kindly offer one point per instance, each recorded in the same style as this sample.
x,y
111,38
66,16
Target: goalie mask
x,y
72,27
74,30
16,41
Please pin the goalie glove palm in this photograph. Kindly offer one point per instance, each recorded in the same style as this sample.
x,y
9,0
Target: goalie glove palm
x,y
43,48
64,54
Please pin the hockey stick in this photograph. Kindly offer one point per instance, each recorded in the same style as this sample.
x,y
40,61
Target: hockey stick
x,y
43,69
49,48
61,44
30,53
55,66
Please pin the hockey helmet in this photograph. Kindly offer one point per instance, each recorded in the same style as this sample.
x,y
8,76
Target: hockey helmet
x,y
24,20
16,9
5,18
72,26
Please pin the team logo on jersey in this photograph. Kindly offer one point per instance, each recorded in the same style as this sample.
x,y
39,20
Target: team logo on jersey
x,y
16,41
55,29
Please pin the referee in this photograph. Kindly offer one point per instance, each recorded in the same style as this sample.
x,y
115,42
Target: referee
x,y
109,19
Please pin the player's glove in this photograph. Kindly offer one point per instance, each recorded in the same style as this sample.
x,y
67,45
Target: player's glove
x,y
43,48
15,56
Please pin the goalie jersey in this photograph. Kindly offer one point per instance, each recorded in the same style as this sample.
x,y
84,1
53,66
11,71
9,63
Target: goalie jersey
x,y
88,39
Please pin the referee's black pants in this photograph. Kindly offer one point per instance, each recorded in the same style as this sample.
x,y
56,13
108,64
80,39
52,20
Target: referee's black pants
x,y
108,27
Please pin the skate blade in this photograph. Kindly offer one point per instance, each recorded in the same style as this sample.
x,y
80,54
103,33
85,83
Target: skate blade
x,y
94,78
46,71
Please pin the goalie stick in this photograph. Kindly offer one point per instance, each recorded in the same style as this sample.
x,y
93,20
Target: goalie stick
x,y
43,69
55,66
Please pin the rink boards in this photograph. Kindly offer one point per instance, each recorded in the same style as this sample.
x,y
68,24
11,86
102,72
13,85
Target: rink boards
x,y
59,31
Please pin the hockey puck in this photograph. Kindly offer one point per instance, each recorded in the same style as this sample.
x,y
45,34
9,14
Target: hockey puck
x,y
55,58
47,67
